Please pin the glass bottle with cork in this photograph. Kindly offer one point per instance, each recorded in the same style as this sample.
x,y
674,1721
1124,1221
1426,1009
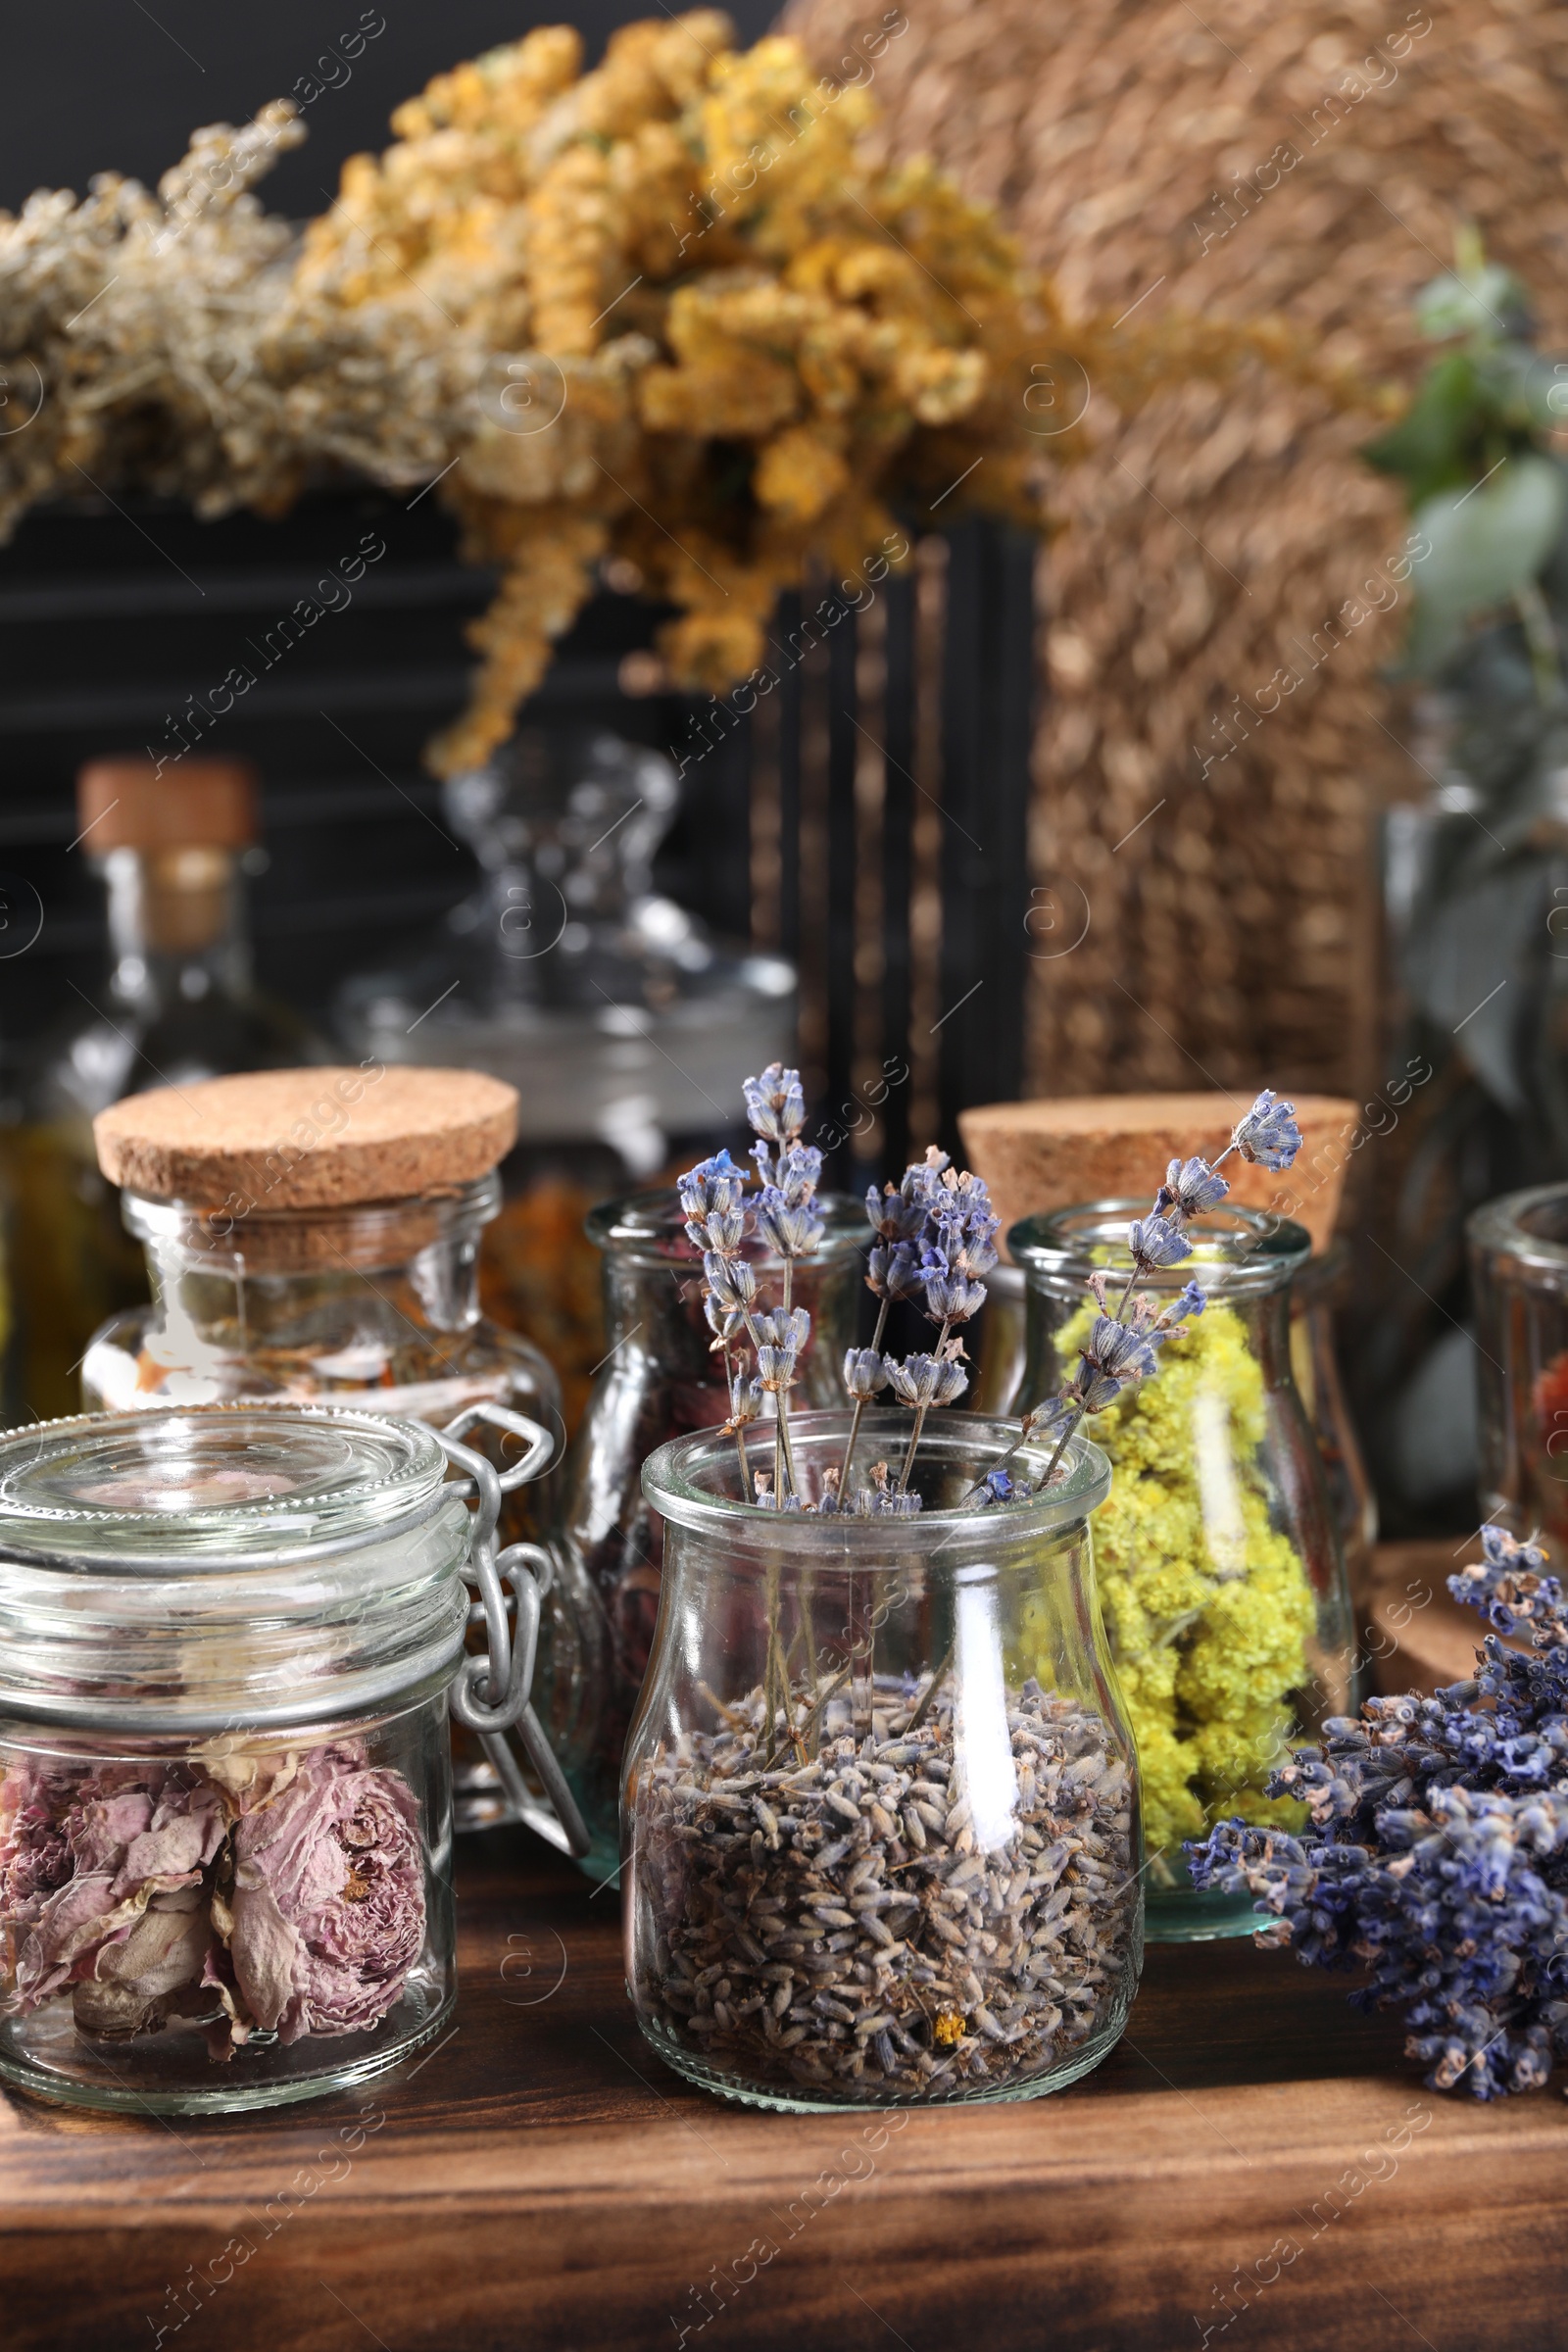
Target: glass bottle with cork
x,y
311,1237
179,1004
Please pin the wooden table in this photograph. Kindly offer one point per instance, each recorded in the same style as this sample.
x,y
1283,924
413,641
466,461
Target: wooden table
x,y
538,2179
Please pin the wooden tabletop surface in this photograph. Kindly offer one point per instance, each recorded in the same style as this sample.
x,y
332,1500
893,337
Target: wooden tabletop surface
x,y
1256,2159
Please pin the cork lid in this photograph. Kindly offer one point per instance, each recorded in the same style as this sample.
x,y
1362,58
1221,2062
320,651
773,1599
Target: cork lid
x,y
124,803
1052,1155
308,1139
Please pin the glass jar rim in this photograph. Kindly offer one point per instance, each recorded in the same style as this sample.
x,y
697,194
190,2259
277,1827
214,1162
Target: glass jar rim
x,y
1505,1227
203,1489
671,1483
366,1234
649,1229
1236,1251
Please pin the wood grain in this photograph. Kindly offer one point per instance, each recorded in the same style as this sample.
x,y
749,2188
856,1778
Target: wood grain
x,y
539,2181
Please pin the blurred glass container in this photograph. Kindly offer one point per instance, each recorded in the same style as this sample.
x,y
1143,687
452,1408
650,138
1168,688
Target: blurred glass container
x,y
1519,1271
661,1378
178,1006
1217,1554
1003,1342
1315,1367
623,1025
313,1236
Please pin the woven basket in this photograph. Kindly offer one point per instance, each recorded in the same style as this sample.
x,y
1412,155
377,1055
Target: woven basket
x,y
1218,534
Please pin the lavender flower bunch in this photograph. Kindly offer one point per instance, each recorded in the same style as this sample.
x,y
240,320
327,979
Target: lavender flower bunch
x,y
932,1239
1122,1343
1436,1846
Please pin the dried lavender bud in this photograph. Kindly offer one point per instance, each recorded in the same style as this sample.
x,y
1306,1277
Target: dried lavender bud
x,y
808,1934
1190,1188
892,1271
1268,1135
775,1103
711,1189
926,1380
722,1231
780,1335
864,1374
1156,1242
731,1279
949,1296
790,1232
745,1402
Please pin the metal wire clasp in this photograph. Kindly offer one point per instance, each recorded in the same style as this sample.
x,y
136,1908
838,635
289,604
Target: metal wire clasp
x,y
490,1695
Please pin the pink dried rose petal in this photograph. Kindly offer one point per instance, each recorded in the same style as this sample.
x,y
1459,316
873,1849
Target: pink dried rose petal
x,y
328,1898
123,1836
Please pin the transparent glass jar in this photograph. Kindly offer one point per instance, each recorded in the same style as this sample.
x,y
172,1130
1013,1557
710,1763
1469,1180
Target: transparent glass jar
x,y
659,1378
617,1016
227,1640
1519,1275
1217,1556
921,1885
374,1305
1315,1368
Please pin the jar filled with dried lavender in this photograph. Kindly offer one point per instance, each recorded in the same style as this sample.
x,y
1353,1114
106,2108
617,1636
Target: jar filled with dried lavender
x,y
880,1816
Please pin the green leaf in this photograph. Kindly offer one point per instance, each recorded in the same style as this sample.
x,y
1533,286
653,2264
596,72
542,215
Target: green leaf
x,y
1486,302
1430,445
1484,544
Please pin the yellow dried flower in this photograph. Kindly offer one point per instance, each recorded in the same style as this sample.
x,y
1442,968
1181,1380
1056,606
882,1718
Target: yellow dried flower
x,y
665,314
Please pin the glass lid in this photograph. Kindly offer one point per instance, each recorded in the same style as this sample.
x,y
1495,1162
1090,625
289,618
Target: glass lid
x,y
211,1482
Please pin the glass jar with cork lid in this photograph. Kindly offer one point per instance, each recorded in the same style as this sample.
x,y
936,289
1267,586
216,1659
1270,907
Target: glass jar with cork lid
x,y
311,1235
177,1004
1220,1555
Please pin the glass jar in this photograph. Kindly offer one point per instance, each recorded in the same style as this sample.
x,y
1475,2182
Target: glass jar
x,y
374,1305
226,1645
1002,1343
1519,1271
1218,1557
180,1006
617,1016
659,1378
917,1884
1315,1369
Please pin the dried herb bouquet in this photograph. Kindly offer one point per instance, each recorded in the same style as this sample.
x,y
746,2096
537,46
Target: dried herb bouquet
x,y
663,317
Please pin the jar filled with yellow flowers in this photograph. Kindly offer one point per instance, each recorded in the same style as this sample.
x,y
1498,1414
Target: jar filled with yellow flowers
x,y
1217,1556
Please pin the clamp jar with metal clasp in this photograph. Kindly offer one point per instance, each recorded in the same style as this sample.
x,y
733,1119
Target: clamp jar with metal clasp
x,y
227,1639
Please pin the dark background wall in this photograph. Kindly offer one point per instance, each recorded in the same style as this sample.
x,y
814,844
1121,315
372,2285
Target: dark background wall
x,y
118,86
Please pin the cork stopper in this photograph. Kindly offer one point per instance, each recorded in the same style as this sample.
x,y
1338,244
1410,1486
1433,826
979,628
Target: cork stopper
x,y
308,1139
1052,1155
126,804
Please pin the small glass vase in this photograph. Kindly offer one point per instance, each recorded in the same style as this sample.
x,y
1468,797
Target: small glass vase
x,y
1218,1557
661,1377
1519,1272
1315,1368
880,1811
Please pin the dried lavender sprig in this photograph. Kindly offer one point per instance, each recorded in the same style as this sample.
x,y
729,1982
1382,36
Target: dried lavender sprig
x,y
1267,1135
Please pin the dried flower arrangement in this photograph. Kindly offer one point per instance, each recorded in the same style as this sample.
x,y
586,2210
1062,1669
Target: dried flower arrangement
x,y
663,317
262,1898
1436,1846
829,1910
933,1240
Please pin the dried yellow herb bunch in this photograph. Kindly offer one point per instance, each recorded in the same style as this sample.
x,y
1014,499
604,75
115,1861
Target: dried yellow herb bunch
x,y
664,311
